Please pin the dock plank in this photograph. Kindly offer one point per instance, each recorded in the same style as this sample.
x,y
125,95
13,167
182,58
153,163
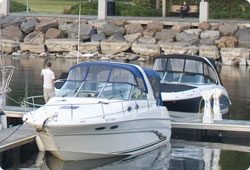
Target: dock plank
x,y
23,135
223,125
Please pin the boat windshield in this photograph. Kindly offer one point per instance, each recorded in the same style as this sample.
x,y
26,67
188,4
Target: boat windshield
x,y
102,82
187,71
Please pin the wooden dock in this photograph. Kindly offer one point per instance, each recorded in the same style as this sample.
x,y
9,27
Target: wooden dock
x,y
25,134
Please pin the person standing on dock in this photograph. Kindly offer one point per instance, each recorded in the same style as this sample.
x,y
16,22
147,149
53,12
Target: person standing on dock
x,y
48,82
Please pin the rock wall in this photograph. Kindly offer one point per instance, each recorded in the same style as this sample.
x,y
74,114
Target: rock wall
x,y
229,43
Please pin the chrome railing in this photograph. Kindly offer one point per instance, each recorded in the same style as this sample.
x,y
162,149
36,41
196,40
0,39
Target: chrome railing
x,y
135,105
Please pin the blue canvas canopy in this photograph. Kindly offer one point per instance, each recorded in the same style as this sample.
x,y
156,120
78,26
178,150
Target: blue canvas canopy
x,y
117,72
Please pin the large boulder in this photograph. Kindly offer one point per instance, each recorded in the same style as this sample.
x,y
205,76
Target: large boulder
x,y
179,48
98,37
149,32
12,33
114,46
234,56
65,27
36,37
86,31
33,42
53,33
204,26
32,47
227,41
111,29
116,37
28,26
155,25
133,28
61,45
210,51
97,23
12,20
118,22
166,34
44,25
207,41
147,40
9,46
146,49
181,26
243,38
133,37
210,34
195,32
89,47
228,29
185,37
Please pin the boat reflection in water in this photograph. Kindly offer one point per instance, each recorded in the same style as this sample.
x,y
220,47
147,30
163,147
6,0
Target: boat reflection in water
x,y
155,159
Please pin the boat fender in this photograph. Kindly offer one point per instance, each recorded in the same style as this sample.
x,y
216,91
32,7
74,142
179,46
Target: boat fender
x,y
129,109
3,120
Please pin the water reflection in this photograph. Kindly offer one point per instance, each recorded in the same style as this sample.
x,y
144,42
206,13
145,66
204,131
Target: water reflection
x,y
237,82
155,159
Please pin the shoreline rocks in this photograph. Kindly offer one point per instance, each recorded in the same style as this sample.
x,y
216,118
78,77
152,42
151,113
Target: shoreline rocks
x,y
226,42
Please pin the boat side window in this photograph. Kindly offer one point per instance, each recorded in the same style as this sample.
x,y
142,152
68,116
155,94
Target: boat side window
x,y
193,72
160,64
119,91
138,93
209,75
174,70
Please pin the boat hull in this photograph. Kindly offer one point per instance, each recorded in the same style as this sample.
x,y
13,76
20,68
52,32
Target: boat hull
x,y
192,106
80,142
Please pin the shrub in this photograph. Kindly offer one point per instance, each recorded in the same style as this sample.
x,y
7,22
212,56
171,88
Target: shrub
x,y
17,7
87,8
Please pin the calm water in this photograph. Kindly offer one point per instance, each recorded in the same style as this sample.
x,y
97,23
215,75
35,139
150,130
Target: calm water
x,y
179,155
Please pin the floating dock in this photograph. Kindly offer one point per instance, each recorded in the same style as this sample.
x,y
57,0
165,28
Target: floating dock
x,y
226,131
25,134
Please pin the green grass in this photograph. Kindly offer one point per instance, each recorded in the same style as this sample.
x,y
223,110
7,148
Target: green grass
x,y
49,6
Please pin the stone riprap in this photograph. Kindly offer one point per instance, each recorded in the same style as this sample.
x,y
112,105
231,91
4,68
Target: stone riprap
x,y
115,39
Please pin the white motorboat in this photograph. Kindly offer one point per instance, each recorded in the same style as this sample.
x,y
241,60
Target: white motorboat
x,y
104,109
183,79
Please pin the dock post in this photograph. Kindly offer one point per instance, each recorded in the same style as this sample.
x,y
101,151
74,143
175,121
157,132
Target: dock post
x,y
217,112
207,117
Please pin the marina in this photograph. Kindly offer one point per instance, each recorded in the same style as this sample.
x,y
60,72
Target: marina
x,y
236,110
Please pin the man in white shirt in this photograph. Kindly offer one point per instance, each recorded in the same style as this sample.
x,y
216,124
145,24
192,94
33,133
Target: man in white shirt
x,y
48,82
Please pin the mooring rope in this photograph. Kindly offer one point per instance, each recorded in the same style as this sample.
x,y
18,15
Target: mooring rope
x,y
13,131
17,102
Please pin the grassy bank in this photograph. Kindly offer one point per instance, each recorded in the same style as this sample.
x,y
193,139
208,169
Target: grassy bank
x,y
49,6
